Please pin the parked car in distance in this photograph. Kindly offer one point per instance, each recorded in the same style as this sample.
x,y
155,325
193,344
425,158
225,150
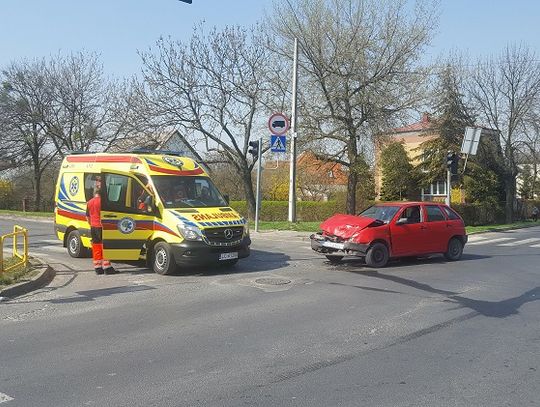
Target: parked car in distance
x,y
392,230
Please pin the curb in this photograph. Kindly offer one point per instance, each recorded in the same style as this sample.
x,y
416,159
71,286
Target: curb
x,y
43,278
27,217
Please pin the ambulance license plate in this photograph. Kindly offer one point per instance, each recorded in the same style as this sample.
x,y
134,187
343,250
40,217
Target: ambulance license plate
x,y
228,256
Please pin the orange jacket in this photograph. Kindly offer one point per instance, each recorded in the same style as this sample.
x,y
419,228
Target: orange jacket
x,y
93,212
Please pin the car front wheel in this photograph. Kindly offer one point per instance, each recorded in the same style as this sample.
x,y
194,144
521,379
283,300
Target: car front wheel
x,y
377,255
163,260
455,249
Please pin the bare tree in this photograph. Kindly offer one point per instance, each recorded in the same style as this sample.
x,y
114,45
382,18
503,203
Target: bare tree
x,y
24,99
87,110
505,90
360,70
216,89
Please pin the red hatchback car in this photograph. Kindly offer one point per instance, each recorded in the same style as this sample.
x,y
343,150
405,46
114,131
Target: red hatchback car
x,y
390,230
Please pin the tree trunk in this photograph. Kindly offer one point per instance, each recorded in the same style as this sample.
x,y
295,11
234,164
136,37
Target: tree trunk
x,y
352,182
37,190
510,190
249,193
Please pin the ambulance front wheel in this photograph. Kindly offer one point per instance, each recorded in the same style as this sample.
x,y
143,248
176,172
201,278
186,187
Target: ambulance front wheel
x,y
74,244
163,260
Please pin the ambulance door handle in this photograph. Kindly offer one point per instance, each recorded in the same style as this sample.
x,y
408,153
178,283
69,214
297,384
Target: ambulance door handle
x,y
109,216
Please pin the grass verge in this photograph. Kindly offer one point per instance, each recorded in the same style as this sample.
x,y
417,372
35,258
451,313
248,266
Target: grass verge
x,y
15,275
494,228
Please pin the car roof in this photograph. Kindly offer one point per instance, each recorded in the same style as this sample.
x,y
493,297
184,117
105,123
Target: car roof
x,y
408,203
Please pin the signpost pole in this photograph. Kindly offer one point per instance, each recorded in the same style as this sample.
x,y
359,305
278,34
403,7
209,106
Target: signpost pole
x,y
292,174
258,192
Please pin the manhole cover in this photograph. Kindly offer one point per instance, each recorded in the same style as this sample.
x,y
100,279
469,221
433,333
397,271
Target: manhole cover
x,y
272,281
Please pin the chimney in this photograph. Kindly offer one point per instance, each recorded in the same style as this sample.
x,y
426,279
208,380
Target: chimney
x,y
426,117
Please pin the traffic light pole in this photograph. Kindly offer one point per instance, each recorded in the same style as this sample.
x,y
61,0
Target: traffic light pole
x,y
448,187
258,192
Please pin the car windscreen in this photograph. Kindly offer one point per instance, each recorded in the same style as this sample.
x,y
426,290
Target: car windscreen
x,y
187,192
381,212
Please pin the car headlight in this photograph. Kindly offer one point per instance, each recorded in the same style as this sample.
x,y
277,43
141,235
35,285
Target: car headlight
x,y
189,232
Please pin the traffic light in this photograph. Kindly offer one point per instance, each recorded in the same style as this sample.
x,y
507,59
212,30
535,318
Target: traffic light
x,y
254,148
452,160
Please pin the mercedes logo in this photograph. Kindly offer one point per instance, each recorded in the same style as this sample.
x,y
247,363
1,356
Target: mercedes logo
x,y
228,234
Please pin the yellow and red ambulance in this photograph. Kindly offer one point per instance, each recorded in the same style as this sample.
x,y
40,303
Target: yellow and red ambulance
x,y
156,206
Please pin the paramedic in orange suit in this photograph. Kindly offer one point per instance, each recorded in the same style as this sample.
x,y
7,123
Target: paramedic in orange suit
x,y
93,215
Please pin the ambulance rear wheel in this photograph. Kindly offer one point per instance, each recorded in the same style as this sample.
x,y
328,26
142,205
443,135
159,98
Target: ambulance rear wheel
x,y
162,259
74,244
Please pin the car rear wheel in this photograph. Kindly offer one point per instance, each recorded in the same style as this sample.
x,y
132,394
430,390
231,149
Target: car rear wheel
x,y
377,255
74,244
455,249
334,259
162,259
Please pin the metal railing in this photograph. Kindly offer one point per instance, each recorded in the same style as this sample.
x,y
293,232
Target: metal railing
x,y
22,257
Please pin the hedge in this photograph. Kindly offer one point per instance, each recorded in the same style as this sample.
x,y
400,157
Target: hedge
x,y
306,211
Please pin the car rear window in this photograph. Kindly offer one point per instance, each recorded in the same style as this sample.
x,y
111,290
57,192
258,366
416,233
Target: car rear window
x,y
450,213
434,213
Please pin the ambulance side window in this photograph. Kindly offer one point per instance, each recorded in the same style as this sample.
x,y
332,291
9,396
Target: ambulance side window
x,y
114,197
124,194
91,182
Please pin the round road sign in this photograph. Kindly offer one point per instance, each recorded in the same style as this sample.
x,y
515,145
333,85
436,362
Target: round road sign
x,y
278,124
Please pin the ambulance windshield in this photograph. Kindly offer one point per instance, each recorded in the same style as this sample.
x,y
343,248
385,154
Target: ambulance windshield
x,y
187,192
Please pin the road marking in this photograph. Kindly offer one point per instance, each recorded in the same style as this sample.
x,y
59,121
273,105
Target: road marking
x,y
500,239
536,245
476,238
5,397
47,241
45,249
521,242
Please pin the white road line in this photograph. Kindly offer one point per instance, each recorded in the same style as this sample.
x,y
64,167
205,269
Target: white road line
x,y
475,238
500,239
521,242
536,246
45,249
47,241
5,397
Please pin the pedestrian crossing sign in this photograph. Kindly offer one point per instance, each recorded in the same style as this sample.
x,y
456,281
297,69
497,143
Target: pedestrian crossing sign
x,y
278,143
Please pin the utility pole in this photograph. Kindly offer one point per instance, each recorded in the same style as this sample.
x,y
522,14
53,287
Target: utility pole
x,y
292,174
448,198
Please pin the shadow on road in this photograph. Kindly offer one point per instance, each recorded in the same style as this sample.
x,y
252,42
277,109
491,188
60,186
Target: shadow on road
x,y
496,309
91,295
258,261
351,262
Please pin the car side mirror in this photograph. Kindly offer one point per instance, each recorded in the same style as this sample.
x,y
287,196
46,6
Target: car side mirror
x,y
227,199
402,221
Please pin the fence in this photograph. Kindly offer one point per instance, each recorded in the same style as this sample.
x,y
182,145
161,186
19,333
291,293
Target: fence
x,y
21,258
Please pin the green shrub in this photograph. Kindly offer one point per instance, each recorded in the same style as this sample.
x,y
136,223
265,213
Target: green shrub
x,y
306,211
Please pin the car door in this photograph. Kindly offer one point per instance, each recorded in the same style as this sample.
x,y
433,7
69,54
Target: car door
x,y
437,229
127,223
408,232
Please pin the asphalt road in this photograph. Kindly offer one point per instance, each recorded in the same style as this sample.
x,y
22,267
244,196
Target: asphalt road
x,y
417,333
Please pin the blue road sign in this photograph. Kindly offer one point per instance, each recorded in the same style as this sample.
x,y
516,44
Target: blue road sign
x,y
278,144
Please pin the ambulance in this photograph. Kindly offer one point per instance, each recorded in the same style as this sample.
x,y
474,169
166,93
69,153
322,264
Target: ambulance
x,y
156,206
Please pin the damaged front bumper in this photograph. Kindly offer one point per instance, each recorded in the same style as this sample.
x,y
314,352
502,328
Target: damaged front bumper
x,y
323,244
